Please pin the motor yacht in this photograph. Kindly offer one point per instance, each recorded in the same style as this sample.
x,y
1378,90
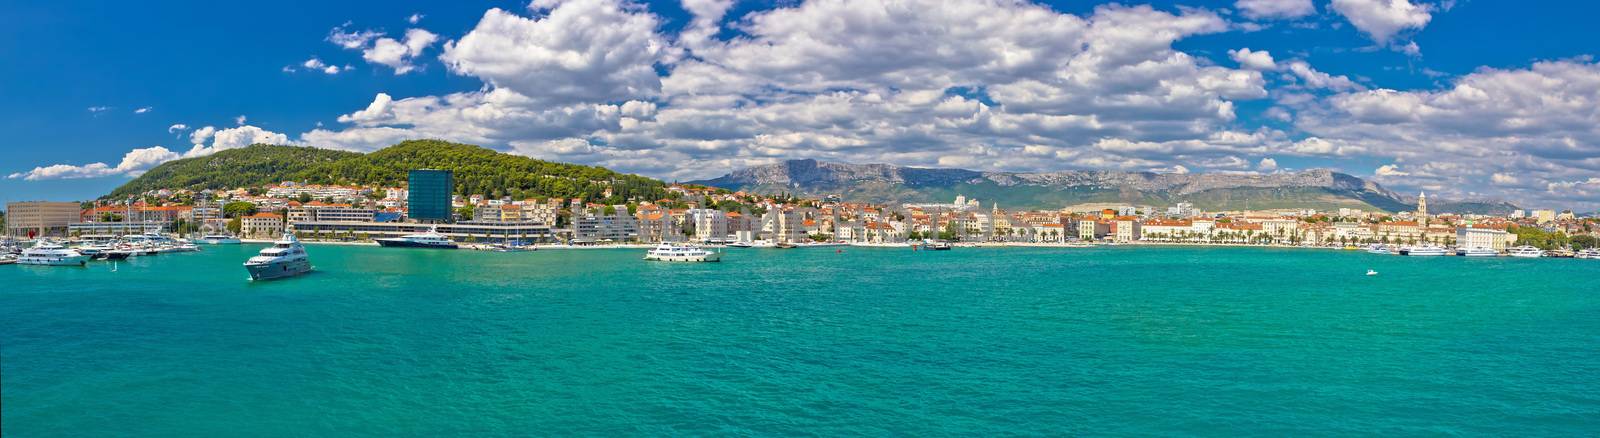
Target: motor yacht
x,y
1477,252
1378,248
678,252
1591,253
430,239
46,253
218,239
1423,250
285,258
1525,251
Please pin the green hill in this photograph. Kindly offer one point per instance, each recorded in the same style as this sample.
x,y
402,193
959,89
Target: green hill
x,y
478,171
249,166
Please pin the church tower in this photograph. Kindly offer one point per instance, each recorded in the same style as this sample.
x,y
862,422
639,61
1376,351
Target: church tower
x,y
1422,207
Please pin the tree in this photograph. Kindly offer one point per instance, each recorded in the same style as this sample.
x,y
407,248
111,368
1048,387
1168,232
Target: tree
x,y
465,212
238,209
234,225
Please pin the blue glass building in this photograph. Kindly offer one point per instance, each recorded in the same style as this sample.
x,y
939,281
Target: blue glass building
x,y
428,197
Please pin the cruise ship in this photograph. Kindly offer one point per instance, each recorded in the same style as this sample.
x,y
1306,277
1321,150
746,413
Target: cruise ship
x,y
1526,251
1477,252
675,252
285,258
45,253
1423,250
430,239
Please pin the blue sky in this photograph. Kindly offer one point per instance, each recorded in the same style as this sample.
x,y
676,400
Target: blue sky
x,y
647,88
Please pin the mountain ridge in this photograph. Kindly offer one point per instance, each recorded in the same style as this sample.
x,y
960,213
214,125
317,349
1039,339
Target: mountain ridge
x,y
1314,188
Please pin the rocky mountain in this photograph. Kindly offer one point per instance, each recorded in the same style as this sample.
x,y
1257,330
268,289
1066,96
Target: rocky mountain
x,y
1317,188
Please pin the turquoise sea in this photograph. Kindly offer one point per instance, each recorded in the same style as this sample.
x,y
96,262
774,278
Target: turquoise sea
x,y
973,342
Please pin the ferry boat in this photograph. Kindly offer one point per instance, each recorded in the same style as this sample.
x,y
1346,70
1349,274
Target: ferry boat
x,y
218,239
1591,253
674,252
430,239
1526,251
46,253
1424,250
1477,252
1378,249
285,258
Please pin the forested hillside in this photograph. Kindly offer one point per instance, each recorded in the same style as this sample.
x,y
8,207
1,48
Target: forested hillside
x,y
477,171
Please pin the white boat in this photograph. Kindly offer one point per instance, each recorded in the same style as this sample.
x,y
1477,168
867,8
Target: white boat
x,y
1591,253
6,259
1477,252
285,258
430,239
740,244
1371,272
218,239
1378,249
676,252
1423,250
45,253
1526,251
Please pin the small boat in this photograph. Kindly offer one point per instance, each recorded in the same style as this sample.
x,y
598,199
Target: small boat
x,y
1477,252
674,252
785,245
938,246
1423,250
218,239
45,253
285,258
740,245
430,239
1525,251
1371,272
1378,249
1591,254
6,259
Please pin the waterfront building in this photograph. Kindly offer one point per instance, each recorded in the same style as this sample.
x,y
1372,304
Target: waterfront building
x,y
121,228
656,226
1090,229
882,232
429,195
709,225
488,213
40,218
609,224
1484,237
1280,229
465,231
1544,216
1125,229
261,225
319,212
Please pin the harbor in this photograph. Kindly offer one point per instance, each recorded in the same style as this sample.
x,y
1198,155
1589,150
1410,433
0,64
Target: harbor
x,y
537,338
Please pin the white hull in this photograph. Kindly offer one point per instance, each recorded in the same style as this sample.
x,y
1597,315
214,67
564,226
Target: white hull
x,y
713,257
219,241
78,260
1478,252
276,270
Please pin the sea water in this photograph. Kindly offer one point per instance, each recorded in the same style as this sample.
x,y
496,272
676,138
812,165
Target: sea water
x,y
816,341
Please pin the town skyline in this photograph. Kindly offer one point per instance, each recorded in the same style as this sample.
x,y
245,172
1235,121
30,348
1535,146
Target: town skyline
x,y
1407,94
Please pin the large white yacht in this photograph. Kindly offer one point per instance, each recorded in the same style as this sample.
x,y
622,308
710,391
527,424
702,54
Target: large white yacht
x,y
1477,252
676,252
1526,251
285,258
1423,250
218,239
1591,253
430,239
1377,248
46,253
